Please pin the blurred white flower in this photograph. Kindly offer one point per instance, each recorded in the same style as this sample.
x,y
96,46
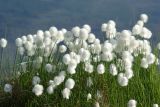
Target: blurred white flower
x,y
107,47
155,105
129,73
97,41
89,96
83,35
30,38
19,42
76,31
68,36
127,55
96,104
124,38
104,27
144,63
47,34
31,52
66,93
3,42
157,61
38,89
36,80
91,38
62,48
62,73
122,80
84,54
58,80
136,30
127,63
50,89
73,63
21,50
96,48
66,59
144,47
60,36
150,58
48,67
24,39
47,51
64,30
107,56
53,31
132,103
140,23
47,41
88,68
69,83
145,33
52,83
39,38
8,88
87,27
100,69
133,45
28,46
144,17
40,33
39,59
71,69
110,29
112,23
113,69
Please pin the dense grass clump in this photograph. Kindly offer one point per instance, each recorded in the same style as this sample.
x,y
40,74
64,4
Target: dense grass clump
x,y
60,68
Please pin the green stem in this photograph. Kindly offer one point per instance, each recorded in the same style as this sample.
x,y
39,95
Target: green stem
x,y
1,59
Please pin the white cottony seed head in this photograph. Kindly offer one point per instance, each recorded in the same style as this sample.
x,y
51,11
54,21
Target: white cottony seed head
x,y
144,18
36,80
89,96
66,59
48,67
155,105
122,80
83,34
69,83
19,42
132,103
87,27
66,93
3,43
144,63
113,70
38,89
62,49
50,89
97,104
8,88
100,69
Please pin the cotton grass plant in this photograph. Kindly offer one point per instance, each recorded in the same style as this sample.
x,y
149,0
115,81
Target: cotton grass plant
x,y
73,68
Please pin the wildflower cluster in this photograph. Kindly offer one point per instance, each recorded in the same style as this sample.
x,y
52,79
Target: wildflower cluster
x,y
61,54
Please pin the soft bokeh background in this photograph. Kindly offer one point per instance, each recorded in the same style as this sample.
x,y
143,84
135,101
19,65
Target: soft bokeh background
x,y
22,17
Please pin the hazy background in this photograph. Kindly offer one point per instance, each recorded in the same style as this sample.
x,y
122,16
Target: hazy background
x,y
22,17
